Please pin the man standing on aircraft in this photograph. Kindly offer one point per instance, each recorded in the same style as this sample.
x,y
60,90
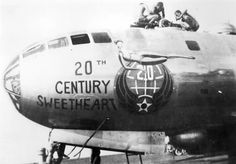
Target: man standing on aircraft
x,y
153,15
190,23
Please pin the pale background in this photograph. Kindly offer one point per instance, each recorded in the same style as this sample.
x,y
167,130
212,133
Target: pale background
x,y
23,22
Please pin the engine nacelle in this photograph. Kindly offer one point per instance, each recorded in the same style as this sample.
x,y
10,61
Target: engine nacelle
x,y
192,141
201,141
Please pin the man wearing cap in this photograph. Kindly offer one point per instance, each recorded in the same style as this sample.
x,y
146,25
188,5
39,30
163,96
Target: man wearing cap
x,y
191,23
155,14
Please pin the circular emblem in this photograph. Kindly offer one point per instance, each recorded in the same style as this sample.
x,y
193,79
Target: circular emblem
x,y
144,89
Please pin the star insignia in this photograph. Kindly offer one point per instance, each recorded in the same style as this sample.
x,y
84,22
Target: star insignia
x,y
143,106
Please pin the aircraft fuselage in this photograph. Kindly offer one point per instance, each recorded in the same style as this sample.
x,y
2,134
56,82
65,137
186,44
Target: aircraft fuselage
x,y
83,82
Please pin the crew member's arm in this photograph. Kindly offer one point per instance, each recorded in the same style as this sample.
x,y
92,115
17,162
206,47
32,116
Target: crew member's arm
x,y
185,12
163,13
142,9
145,8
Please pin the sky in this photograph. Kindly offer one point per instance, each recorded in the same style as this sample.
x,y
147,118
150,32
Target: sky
x,y
27,21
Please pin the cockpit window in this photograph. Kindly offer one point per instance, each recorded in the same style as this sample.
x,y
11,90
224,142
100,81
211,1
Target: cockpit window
x,y
57,43
192,45
101,37
80,39
35,49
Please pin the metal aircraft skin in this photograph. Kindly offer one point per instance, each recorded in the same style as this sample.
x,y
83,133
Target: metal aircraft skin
x,y
153,83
